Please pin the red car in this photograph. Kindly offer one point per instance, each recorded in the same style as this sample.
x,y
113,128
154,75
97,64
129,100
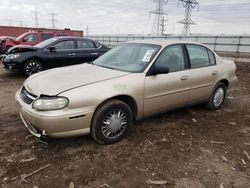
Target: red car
x,y
29,38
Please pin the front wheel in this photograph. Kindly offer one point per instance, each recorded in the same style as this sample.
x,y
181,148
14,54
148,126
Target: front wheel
x,y
32,67
217,98
111,122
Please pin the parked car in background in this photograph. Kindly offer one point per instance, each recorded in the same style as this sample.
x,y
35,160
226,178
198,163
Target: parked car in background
x,y
3,39
130,82
54,52
29,38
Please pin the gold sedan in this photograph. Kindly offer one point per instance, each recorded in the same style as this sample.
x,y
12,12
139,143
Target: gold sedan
x,y
130,82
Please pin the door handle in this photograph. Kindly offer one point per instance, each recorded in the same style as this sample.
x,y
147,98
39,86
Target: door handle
x,y
184,78
72,54
94,53
214,73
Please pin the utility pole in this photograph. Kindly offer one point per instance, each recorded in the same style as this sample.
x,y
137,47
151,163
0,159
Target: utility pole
x,y
21,23
159,13
87,30
36,18
53,20
187,21
163,24
10,22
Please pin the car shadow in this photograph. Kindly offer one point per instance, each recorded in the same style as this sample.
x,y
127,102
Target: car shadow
x,y
88,141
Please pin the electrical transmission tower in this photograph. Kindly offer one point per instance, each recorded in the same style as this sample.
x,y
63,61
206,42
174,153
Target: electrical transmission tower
x,y
162,25
53,20
159,13
36,19
187,21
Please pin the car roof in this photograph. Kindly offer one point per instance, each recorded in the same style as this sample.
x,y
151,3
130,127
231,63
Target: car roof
x,y
70,37
164,42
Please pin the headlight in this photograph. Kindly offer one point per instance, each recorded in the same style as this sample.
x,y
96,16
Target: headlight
x,y
50,103
13,56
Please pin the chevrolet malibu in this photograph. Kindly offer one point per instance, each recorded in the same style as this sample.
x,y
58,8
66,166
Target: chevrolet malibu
x,y
132,81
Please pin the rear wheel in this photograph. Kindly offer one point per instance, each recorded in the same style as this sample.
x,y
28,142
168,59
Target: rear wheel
x,y
217,98
32,67
111,122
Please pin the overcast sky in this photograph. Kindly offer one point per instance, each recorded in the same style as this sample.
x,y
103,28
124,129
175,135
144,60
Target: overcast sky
x,y
128,16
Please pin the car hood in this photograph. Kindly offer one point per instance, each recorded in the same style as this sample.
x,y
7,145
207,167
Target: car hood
x,y
22,48
56,81
4,38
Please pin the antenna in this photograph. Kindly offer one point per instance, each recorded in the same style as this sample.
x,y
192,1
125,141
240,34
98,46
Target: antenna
x,y
187,21
159,13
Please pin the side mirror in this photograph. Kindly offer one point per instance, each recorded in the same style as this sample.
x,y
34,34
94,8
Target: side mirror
x,y
52,49
24,40
159,69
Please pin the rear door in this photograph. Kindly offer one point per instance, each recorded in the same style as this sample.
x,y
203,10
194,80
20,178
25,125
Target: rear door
x,y
167,91
203,72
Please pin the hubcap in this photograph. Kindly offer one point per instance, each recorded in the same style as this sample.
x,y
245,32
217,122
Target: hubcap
x,y
33,67
114,124
218,96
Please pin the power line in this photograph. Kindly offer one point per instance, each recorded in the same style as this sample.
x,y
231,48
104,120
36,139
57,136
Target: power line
x,y
187,21
159,13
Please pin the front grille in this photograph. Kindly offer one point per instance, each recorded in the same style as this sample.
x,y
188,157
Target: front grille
x,y
27,97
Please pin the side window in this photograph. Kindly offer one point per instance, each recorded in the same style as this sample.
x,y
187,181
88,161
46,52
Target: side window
x,y
31,37
198,56
65,45
82,44
211,57
172,57
46,36
97,44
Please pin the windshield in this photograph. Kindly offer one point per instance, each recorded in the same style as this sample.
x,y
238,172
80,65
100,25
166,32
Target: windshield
x,y
21,36
129,57
46,43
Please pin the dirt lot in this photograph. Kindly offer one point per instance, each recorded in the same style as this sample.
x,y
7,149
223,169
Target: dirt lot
x,y
176,147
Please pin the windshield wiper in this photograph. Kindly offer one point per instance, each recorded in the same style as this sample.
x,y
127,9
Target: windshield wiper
x,y
105,67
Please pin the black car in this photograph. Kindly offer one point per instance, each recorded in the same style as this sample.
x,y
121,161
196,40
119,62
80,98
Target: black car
x,y
54,52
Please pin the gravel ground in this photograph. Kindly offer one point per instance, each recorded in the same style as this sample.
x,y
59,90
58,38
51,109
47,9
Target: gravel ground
x,y
190,147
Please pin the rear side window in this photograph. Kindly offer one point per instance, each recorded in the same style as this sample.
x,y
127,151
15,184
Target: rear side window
x,y
82,44
198,56
211,57
46,36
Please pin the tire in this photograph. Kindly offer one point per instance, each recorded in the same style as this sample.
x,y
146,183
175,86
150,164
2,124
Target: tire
x,y
111,122
218,96
1,49
32,67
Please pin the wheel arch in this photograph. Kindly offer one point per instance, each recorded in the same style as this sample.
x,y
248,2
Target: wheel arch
x,y
225,82
34,58
130,101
